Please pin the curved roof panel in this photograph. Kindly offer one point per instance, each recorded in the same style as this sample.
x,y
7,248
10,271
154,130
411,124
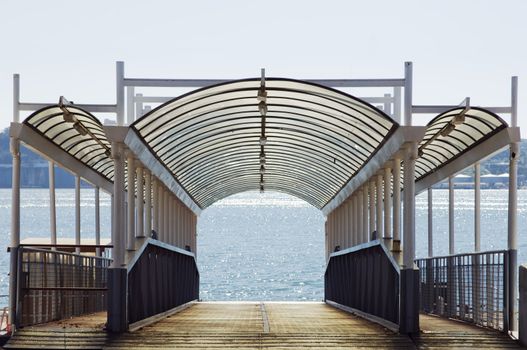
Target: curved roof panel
x,y
451,134
77,132
316,139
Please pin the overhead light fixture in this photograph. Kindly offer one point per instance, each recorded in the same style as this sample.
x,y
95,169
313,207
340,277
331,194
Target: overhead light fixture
x,y
262,94
81,129
447,129
69,117
262,108
263,141
458,119
262,169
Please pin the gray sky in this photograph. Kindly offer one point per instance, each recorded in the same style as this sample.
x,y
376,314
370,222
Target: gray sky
x,y
459,48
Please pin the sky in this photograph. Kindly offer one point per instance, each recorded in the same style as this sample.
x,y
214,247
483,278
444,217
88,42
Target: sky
x,y
458,48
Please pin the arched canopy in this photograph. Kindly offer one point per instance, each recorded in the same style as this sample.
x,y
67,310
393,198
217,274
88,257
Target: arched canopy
x,y
451,134
78,133
316,139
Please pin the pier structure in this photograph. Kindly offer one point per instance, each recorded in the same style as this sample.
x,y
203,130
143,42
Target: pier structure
x,y
361,161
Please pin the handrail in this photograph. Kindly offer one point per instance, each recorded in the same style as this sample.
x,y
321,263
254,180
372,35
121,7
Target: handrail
x,y
160,244
364,246
47,251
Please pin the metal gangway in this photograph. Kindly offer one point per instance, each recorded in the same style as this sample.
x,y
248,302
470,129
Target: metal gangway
x,y
361,161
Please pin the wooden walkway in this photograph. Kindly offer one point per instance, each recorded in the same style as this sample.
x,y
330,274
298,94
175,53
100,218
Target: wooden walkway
x,y
271,325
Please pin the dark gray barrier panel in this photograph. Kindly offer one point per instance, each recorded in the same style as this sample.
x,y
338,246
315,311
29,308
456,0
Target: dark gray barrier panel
x,y
54,285
160,278
365,278
471,287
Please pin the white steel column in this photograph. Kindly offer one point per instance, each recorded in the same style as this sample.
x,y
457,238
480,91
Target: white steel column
x,y
140,231
148,203
97,221
171,221
77,214
130,243
166,216
451,245
372,209
346,234
512,237
378,202
408,77
118,235
155,214
355,220
477,207
396,204
360,223
119,79
409,206
365,222
52,204
387,203
430,224
14,146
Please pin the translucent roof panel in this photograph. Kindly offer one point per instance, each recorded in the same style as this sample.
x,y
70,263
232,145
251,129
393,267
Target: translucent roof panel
x,y
317,138
78,133
453,133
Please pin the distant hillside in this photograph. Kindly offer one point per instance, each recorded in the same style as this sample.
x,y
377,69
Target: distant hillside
x,y
35,172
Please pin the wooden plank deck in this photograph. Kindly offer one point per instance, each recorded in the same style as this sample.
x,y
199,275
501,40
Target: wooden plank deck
x,y
253,325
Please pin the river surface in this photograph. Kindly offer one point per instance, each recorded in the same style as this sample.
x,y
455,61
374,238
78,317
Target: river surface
x,y
269,246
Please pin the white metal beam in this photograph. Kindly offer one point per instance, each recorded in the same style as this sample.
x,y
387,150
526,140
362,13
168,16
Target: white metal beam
x,y
141,150
391,146
484,150
52,152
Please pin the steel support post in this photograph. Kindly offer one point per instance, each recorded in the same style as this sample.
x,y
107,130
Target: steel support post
x,y
511,322
387,203
378,202
118,224
14,146
140,200
372,209
77,214
430,224
97,221
409,315
365,220
119,83
166,216
130,243
451,215
409,206
156,199
408,82
346,232
52,204
117,274
354,221
396,245
16,98
477,207
171,221
360,222
148,203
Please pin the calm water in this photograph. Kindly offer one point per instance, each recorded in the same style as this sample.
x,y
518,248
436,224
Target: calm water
x,y
266,246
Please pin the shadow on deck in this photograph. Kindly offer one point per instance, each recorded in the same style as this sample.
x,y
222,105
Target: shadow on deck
x,y
253,325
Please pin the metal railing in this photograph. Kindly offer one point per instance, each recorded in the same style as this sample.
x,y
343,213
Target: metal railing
x,y
161,278
54,285
365,278
470,287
